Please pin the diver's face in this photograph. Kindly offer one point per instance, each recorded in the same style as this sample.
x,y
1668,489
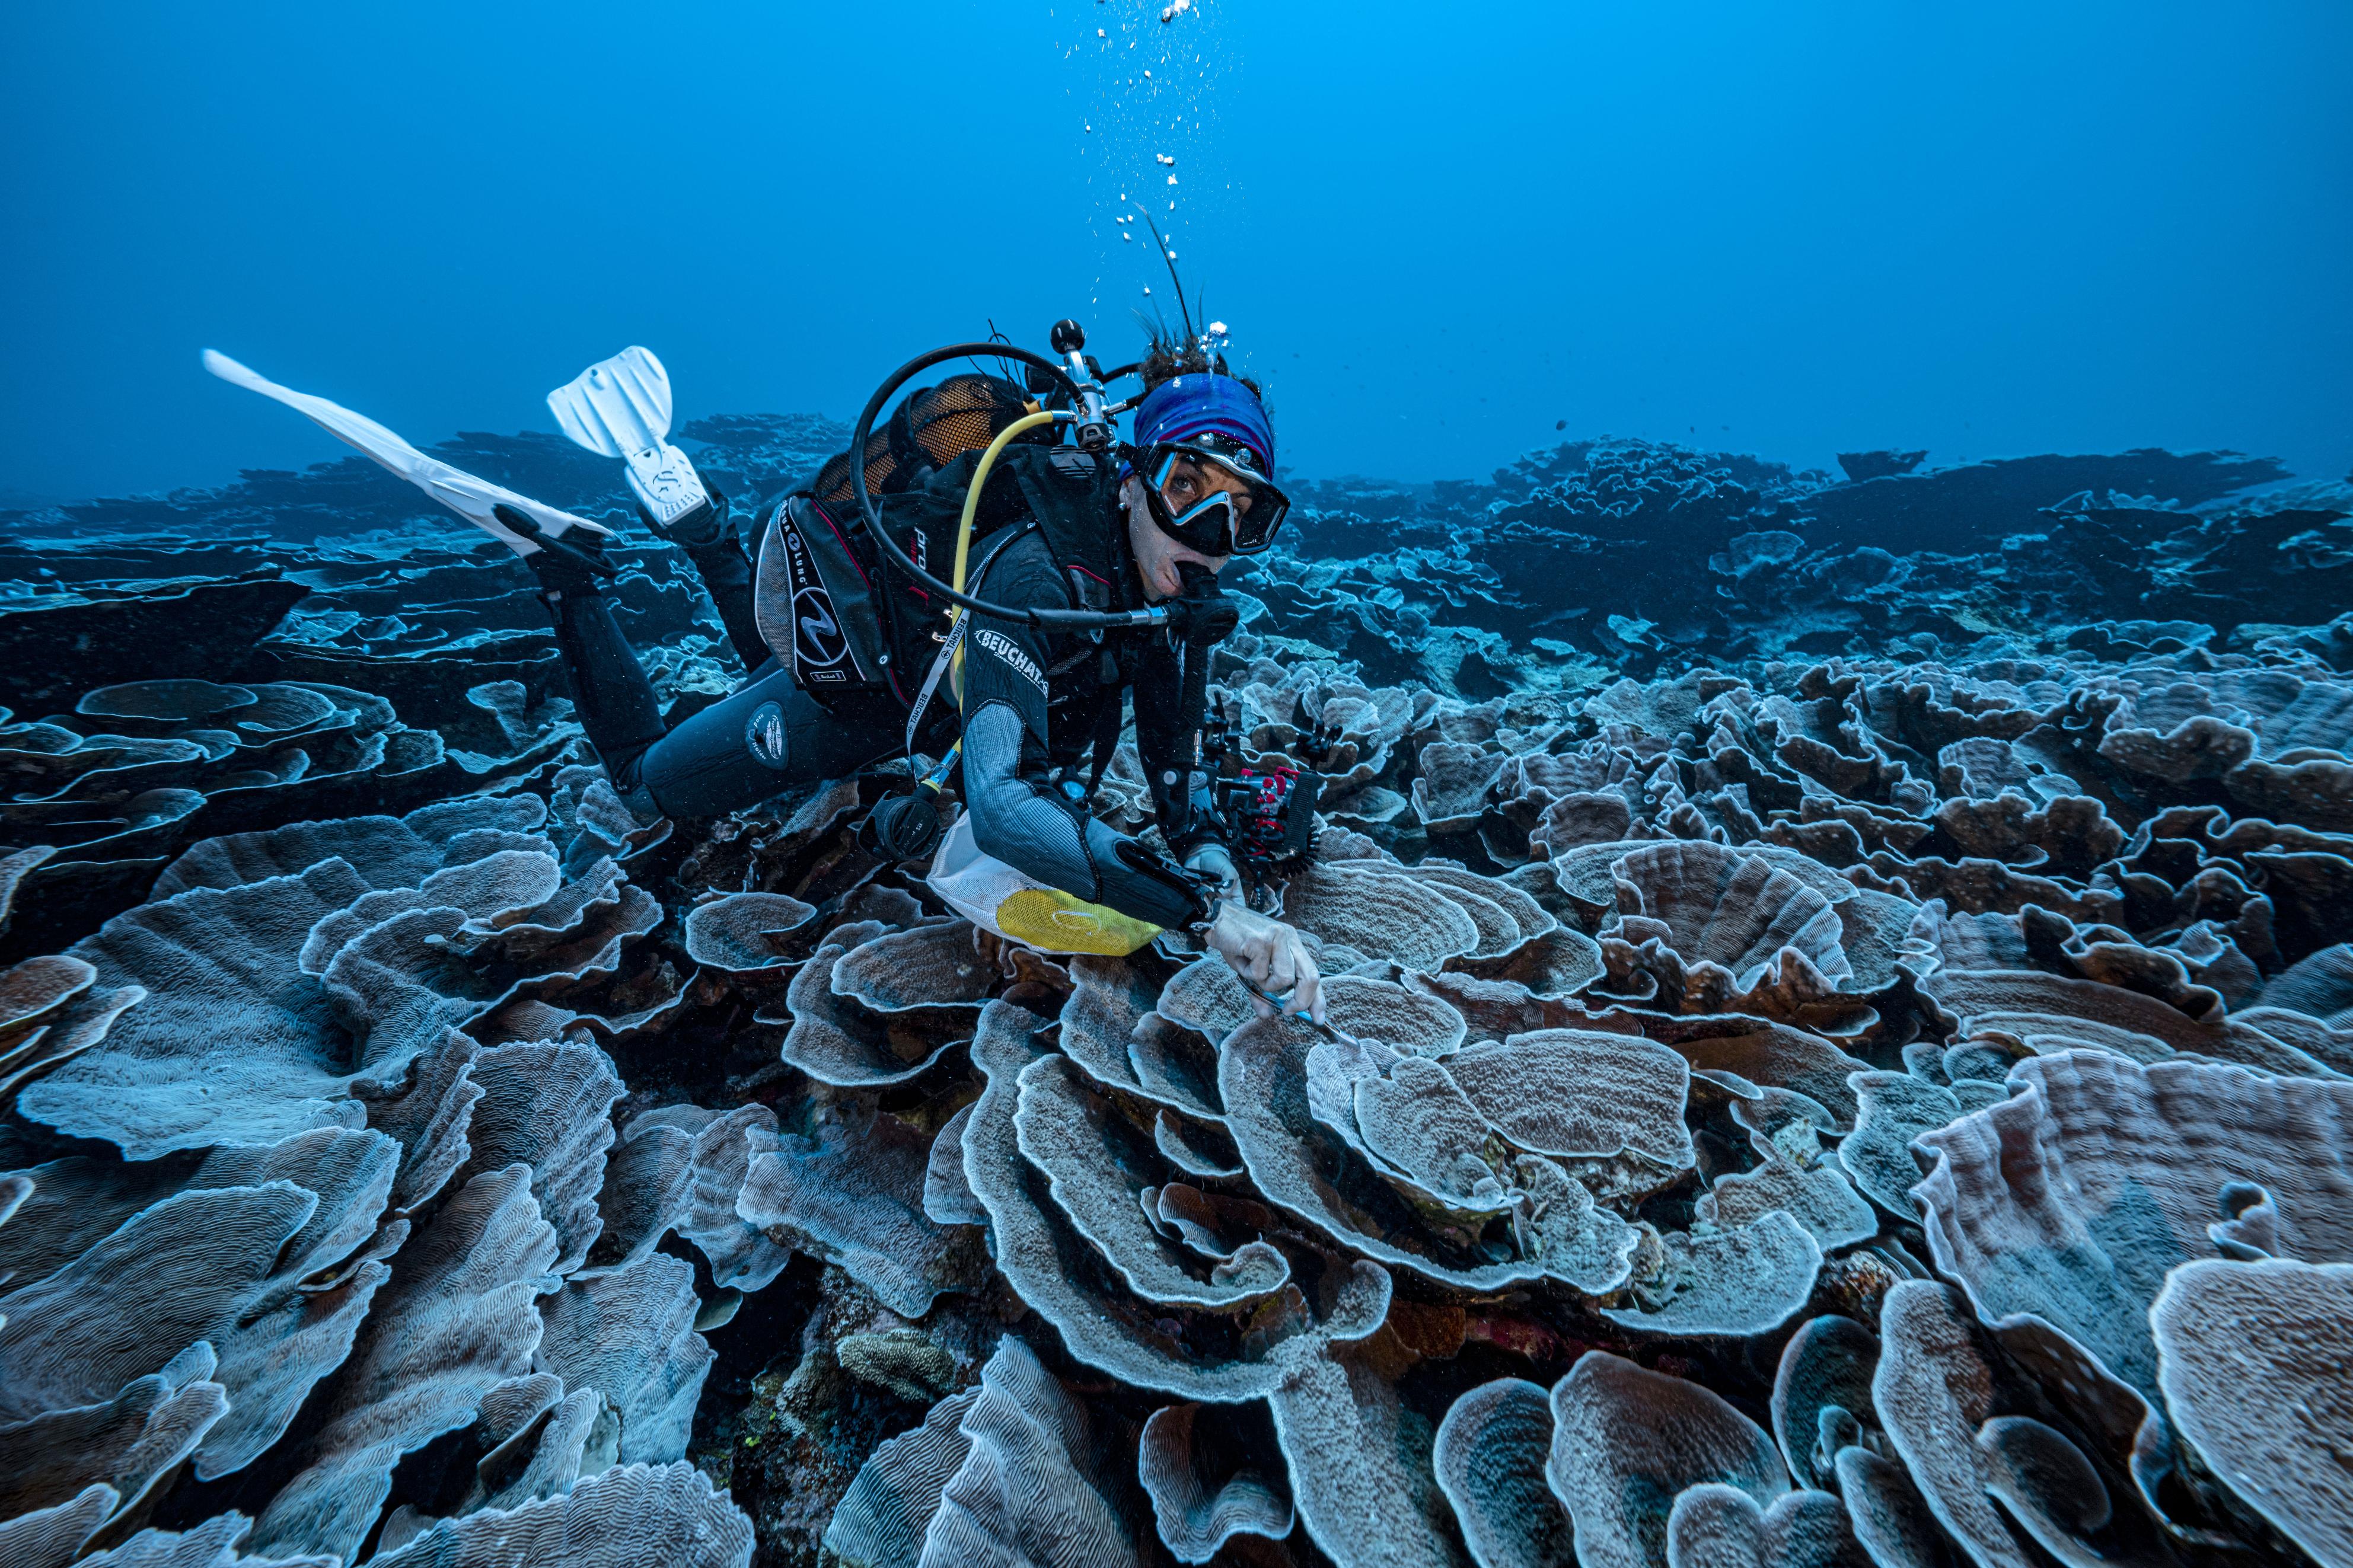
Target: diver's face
x,y
1157,557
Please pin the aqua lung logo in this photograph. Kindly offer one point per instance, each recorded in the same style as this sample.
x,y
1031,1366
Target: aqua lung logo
x,y
818,643
765,735
1007,650
820,651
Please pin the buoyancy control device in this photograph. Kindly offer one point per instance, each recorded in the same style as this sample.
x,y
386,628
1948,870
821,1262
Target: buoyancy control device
x,y
1073,396
850,593
834,607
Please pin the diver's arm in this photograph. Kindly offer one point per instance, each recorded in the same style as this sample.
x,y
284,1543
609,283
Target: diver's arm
x,y
1037,830
1021,818
1033,828
1181,801
1018,815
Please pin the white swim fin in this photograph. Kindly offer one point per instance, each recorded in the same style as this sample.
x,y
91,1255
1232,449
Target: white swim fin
x,y
471,497
619,407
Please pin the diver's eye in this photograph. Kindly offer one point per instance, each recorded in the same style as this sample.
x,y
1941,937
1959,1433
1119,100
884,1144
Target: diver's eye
x,y
1241,504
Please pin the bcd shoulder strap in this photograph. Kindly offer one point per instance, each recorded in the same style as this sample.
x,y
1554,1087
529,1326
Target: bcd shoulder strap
x,y
1075,497
948,649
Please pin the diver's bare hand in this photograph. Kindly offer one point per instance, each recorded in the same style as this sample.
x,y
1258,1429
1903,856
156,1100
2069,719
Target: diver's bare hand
x,y
1270,956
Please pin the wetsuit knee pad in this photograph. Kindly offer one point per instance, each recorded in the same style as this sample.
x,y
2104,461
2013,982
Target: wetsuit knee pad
x,y
769,735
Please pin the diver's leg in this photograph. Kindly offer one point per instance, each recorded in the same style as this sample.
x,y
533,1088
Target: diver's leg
x,y
744,748
726,574
611,693
708,536
734,753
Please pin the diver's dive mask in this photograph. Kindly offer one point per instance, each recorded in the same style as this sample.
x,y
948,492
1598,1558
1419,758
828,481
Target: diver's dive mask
x,y
1221,522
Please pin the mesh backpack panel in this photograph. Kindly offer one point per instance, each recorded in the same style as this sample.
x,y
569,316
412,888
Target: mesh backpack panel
x,y
833,485
932,427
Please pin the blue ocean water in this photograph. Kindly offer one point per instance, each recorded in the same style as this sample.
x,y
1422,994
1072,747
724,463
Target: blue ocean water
x,y
1439,235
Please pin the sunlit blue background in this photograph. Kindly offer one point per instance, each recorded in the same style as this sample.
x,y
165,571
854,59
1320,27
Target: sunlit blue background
x,y
1438,231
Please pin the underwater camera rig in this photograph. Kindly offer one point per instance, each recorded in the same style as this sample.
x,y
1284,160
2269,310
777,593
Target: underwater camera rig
x,y
1268,813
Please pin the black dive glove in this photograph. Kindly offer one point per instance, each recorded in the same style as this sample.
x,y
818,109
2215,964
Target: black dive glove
x,y
570,562
1200,891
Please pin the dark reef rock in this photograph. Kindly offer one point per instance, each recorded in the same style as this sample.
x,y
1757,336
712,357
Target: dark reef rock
x,y
57,647
1861,466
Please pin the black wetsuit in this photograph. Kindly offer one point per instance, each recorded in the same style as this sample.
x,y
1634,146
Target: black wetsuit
x,y
1032,706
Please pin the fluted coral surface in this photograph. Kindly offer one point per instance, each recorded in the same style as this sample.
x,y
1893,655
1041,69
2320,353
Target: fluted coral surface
x,y
1775,1110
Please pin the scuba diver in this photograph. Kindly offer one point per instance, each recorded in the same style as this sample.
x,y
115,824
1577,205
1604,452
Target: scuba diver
x,y
1092,573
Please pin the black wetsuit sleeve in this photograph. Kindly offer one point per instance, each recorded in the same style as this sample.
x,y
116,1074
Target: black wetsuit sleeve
x,y
1018,815
1180,790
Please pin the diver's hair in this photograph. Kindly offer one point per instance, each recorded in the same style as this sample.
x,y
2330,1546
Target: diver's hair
x,y
1168,354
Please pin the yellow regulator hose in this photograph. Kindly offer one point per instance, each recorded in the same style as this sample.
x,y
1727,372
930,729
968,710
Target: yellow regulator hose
x,y
963,530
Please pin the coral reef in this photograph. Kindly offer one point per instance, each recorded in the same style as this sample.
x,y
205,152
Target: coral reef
x,y
1840,1052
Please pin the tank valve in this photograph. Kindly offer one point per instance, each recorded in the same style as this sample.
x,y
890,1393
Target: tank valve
x,y
1070,341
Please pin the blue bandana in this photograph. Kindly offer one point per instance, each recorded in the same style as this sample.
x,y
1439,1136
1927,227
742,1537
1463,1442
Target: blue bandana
x,y
1185,407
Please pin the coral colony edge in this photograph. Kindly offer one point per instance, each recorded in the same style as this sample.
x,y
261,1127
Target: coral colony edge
x,y
1840,1017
